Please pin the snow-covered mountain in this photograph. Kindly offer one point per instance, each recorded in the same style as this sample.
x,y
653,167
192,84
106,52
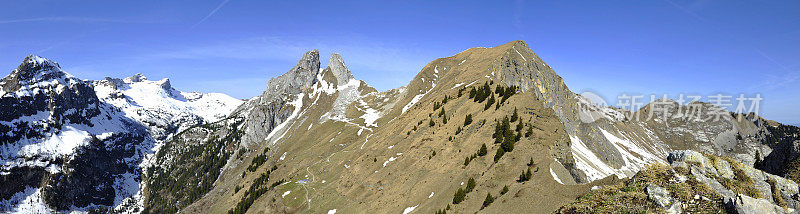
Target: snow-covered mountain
x,y
74,145
61,147
163,109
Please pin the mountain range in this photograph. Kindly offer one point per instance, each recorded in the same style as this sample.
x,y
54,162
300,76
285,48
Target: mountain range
x,y
492,130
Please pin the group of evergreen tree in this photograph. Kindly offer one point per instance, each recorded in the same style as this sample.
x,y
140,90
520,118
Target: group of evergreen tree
x,y
443,211
193,164
443,116
505,92
469,159
489,199
468,120
505,136
258,160
257,188
461,193
480,153
525,176
489,103
481,93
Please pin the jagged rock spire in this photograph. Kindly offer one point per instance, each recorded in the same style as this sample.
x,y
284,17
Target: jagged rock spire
x,y
302,75
339,69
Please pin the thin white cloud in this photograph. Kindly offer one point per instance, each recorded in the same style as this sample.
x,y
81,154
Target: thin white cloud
x,y
65,19
771,81
211,13
784,67
687,11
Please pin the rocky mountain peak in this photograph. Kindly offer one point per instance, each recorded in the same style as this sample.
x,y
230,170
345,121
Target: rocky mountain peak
x,y
303,75
165,84
307,68
32,69
136,78
339,69
33,66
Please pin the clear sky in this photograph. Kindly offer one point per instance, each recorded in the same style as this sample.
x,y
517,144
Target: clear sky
x,y
699,47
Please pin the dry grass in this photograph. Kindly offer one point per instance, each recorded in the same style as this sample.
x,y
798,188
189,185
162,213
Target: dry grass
x,y
741,182
631,196
618,198
776,193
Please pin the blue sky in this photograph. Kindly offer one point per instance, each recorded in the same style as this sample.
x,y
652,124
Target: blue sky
x,y
699,47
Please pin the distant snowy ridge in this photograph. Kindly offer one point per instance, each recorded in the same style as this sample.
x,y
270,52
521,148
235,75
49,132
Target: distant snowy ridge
x,y
162,108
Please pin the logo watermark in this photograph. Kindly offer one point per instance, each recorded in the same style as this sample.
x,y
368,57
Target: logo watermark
x,y
687,107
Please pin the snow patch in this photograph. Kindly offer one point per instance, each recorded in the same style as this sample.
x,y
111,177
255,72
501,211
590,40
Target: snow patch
x,y
595,168
390,160
370,115
588,162
410,209
555,177
63,143
520,54
27,201
413,101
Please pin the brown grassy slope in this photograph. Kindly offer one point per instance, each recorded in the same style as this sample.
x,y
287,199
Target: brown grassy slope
x,y
356,181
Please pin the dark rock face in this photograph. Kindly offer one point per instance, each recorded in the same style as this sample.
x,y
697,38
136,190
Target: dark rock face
x,y
95,169
38,101
21,177
67,99
785,142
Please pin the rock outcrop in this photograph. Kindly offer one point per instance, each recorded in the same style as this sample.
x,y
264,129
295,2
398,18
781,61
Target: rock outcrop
x,y
743,188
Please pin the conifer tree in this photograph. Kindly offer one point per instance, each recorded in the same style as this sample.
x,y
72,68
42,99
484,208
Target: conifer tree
x,y
514,116
483,150
500,152
489,199
471,184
